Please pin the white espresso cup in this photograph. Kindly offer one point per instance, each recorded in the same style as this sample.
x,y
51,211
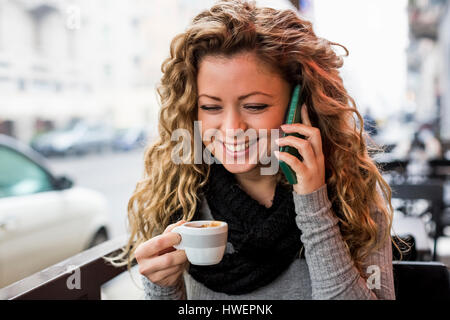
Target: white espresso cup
x,y
204,241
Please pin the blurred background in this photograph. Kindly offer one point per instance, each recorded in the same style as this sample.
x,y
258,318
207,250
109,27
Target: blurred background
x,y
78,105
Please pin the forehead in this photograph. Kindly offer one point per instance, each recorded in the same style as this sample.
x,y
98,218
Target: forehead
x,y
244,69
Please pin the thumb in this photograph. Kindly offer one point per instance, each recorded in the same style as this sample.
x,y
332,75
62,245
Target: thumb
x,y
171,226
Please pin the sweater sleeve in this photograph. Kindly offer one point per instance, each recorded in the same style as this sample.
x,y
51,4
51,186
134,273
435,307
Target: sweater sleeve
x,y
156,292
331,268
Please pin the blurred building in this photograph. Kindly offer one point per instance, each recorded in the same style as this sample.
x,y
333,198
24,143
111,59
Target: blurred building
x,y
376,36
82,59
428,64
71,59
65,59
443,99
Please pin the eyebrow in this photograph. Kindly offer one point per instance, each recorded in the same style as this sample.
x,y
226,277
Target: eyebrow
x,y
239,98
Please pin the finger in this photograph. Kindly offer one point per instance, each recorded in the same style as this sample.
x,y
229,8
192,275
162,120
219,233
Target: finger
x,y
173,225
156,244
158,263
301,128
303,147
291,161
311,134
305,116
167,250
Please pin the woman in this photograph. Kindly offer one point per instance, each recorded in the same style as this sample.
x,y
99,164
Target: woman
x,y
325,237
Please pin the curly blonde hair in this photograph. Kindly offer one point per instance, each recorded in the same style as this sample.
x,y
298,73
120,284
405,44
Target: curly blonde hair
x,y
286,41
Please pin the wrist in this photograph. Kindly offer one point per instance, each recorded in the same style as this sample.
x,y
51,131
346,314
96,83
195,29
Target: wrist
x,y
312,201
305,189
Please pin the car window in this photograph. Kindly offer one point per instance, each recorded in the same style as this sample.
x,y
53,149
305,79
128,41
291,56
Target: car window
x,y
21,176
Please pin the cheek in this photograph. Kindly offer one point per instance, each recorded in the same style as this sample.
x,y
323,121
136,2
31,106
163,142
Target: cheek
x,y
209,128
207,122
271,120
207,119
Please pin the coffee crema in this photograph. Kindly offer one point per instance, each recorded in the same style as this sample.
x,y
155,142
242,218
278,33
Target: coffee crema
x,y
207,225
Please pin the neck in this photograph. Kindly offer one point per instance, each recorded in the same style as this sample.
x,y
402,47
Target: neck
x,y
259,187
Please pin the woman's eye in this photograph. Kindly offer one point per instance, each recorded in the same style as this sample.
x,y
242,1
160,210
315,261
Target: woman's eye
x,y
249,107
256,107
210,108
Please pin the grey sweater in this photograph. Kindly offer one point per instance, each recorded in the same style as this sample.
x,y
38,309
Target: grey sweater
x,y
328,272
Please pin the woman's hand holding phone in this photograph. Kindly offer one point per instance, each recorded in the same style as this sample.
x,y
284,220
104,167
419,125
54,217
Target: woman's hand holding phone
x,y
311,171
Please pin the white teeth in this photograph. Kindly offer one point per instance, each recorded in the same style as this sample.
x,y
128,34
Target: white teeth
x,y
237,148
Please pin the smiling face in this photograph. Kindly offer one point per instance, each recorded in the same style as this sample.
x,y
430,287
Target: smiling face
x,y
243,93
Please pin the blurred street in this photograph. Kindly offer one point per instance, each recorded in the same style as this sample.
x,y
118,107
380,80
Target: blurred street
x,y
113,174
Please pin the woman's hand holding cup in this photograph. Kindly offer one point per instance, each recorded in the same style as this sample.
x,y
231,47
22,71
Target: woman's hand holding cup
x,y
159,261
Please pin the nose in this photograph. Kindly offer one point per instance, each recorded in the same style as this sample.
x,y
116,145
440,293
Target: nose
x,y
233,125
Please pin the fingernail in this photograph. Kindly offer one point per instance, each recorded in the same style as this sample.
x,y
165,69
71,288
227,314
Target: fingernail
x,y
276,153
277,141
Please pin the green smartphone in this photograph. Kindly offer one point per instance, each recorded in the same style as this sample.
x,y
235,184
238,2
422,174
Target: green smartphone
x,y
293,115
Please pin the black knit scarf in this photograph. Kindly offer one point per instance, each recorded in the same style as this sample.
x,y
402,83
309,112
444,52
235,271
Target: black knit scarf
x,y
265,240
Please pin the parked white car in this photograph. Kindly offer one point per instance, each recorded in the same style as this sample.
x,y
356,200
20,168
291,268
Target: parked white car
x,y
43,219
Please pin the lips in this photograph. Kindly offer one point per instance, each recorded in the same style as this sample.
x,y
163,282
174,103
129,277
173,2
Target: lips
x,y
239,144
238,147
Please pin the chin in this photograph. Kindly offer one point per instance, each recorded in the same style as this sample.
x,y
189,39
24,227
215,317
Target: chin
x,y
239,168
